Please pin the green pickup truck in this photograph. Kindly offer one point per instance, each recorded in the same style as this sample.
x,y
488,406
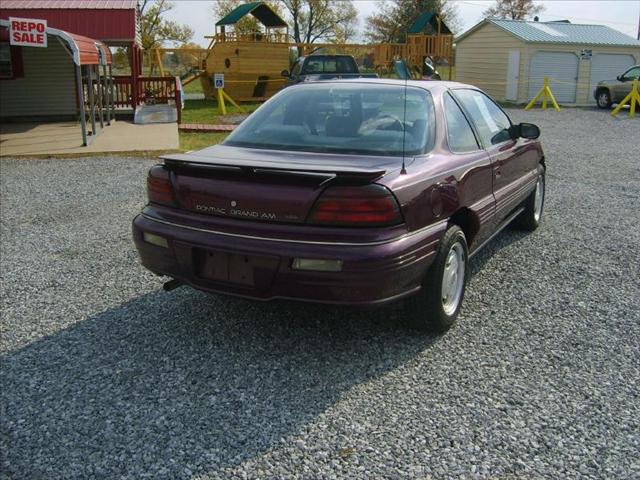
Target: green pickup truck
x,y
609,92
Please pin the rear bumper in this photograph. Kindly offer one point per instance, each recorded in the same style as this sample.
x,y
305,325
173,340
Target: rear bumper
x,y
372,273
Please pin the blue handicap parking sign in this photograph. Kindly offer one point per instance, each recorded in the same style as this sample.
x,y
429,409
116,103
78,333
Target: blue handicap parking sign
x,y
218,80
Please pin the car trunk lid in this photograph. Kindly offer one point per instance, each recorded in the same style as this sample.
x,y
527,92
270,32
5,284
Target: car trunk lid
x,y
261,185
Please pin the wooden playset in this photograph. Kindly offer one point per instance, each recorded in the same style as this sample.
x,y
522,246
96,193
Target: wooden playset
x,y
252,62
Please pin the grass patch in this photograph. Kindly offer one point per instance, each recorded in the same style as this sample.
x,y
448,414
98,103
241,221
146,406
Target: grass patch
x,y
198,140
206,111
194,87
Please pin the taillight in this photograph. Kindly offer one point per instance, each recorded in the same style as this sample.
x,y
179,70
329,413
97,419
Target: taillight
x,y
363,206
159,186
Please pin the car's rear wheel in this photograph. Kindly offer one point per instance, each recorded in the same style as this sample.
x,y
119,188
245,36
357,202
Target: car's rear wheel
x,y
603,98
436,306
531,216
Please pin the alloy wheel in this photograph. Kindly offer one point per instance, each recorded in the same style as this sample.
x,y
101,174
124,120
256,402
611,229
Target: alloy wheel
x,y
603,100
453,278
538,199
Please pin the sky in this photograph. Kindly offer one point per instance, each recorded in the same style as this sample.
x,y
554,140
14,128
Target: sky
x,y
619,14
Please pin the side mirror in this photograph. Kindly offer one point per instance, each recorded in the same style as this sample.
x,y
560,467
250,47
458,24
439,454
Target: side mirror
x,y
524,130
285,73
620,78
529,130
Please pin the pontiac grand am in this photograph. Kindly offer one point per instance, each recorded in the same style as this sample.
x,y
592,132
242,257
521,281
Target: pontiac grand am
x,y
358,192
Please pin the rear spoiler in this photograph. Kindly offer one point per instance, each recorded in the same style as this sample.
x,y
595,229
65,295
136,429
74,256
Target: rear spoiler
x,y
318,77
181,160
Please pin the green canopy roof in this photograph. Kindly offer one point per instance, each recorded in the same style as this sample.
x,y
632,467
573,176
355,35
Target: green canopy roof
x,y
260,10
428,18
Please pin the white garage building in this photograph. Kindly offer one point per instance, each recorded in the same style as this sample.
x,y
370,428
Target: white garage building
x,y
509,58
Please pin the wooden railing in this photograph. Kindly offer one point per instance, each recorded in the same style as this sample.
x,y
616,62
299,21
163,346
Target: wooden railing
x,y
416,48
148,90
430,45
123,91
387,52
273,37
156,89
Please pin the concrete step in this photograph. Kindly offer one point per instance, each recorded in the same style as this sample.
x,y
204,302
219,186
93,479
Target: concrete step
x,y
161,113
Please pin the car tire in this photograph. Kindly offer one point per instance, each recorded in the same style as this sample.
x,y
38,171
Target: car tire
x,y
531,216
603,99
436,307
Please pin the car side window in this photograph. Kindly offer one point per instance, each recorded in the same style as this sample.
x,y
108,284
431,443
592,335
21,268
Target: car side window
x,y
491,122
313,65
632,74
459,133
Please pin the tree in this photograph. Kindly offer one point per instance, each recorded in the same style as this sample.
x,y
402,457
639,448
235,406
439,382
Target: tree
x,y
248,24
120,61
390,25
327,20
513,9
155,29
185,59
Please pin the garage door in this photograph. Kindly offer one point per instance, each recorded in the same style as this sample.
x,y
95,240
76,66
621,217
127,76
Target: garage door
x,y
607,66
561,66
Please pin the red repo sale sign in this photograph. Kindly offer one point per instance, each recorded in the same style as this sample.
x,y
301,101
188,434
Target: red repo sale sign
x,y
27,32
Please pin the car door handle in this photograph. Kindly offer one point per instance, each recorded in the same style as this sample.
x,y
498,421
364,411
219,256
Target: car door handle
x,y
496,172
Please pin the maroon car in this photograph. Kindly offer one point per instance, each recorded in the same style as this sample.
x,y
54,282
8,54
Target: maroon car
x,y
358,192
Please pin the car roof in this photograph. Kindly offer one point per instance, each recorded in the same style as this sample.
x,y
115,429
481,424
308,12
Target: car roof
x,y
324,55
434,86
330,55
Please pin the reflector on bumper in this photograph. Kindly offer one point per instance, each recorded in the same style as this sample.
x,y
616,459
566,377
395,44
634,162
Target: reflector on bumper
x,y
317,265
156,240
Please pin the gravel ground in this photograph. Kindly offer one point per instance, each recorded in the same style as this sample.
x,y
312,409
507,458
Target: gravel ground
x,y
106,376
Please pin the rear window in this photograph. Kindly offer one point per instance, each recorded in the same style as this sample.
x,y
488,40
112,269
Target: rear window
x,y
345,118
330,65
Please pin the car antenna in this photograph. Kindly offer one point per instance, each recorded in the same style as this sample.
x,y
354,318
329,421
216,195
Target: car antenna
x,y
403,171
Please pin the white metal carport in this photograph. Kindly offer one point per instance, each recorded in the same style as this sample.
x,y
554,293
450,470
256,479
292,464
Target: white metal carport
x,y
93,78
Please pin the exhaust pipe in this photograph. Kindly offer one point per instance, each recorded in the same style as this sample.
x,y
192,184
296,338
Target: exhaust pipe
x,y
172,285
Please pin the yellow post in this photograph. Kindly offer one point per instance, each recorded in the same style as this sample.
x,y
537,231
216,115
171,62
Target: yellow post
x,y
231,100
221,106
534,99
159,60
553,99
633,98
546,94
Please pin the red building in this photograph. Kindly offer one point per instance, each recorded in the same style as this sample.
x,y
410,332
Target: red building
x,y
113,22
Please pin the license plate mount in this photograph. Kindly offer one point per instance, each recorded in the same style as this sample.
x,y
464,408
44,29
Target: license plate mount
x,y
219,266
